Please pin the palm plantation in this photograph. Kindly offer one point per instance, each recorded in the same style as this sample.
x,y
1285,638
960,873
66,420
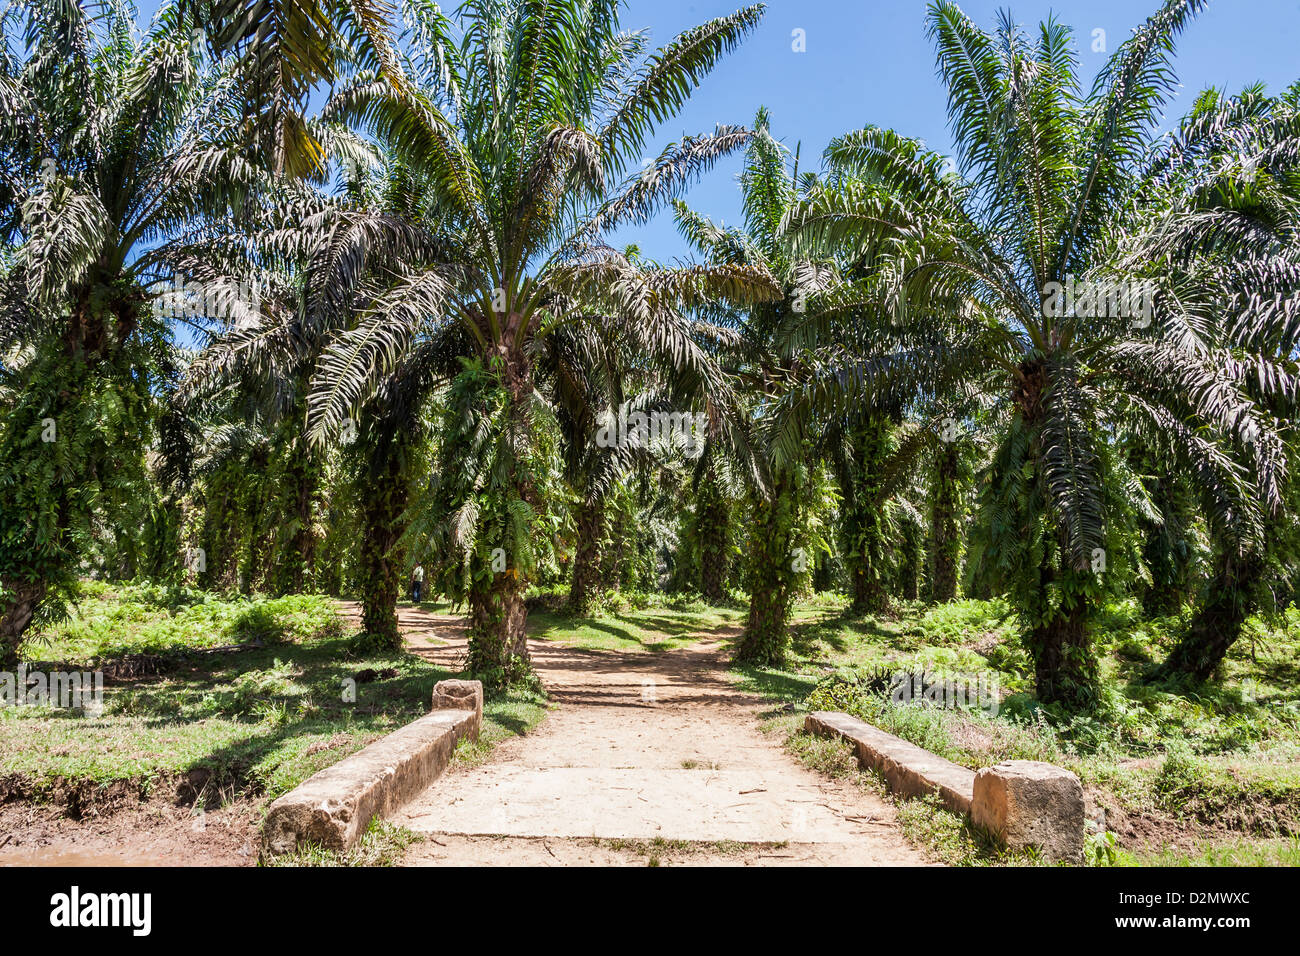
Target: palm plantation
x,y
290,305
107,175
1053,185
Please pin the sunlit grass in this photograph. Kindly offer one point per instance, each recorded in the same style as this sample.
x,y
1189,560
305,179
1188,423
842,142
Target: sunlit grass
x,y
652,629
258,717
1223,756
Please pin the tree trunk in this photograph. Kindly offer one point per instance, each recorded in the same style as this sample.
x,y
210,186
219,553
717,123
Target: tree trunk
x,y
24,598
1165,549
255,565
823,574
714,520
40,556
1218,622
498,643
1065,671
945,538
611,559
863,529
298,562
586,557
498,638
765,636
771,578
304,539
909,572
869,593
1063,668
381,563
34,552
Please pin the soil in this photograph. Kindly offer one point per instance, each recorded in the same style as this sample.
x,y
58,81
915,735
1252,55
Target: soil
x,y
158,833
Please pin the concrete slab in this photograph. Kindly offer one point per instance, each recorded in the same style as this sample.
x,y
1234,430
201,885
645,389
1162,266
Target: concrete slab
x,y
909,769
631,803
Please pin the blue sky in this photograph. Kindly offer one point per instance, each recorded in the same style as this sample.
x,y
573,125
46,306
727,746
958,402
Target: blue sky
x,y
868,61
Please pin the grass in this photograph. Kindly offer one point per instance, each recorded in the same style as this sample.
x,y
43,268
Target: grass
x,y
383,844
254,720
633,623
1280,852
244,697
948,837
1212,769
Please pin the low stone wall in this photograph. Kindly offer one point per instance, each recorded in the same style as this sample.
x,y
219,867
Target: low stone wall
x,y
907,768
334,807
1023,803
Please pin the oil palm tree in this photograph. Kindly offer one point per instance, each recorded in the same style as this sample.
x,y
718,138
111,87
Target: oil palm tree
x,y
287,50
114,146
522,129
762,354
1055,184
309,257
1246,186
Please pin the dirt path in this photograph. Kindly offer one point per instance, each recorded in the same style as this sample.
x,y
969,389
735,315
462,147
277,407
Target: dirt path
x,y
645,757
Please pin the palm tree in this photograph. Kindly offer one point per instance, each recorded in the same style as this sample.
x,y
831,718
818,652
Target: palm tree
x,y
287,51
114,146
592,382
1249,188
858,447
309,257
762,354
594,379
949,477
1055,187
705,558
518,118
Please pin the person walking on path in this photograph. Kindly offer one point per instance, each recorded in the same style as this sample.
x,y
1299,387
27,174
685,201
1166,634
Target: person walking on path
x,y
417,582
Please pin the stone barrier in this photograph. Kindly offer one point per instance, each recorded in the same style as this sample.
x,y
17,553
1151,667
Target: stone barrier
x,y
1023,803
1028,803
334,807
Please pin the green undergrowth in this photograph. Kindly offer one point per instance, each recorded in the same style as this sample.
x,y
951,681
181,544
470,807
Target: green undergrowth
x,y
228,697
631,622
383,844
1207,765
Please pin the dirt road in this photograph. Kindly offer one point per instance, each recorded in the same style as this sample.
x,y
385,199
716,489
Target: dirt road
x,y
644,756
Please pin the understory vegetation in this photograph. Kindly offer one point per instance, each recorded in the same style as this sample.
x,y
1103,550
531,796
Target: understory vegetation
x,y
1209,774
208,700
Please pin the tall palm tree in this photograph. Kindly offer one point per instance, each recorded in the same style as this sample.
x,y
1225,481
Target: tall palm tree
x,y
114,146
1055,186
705,559
589,377
519,119
762,354
308,256
1248,184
